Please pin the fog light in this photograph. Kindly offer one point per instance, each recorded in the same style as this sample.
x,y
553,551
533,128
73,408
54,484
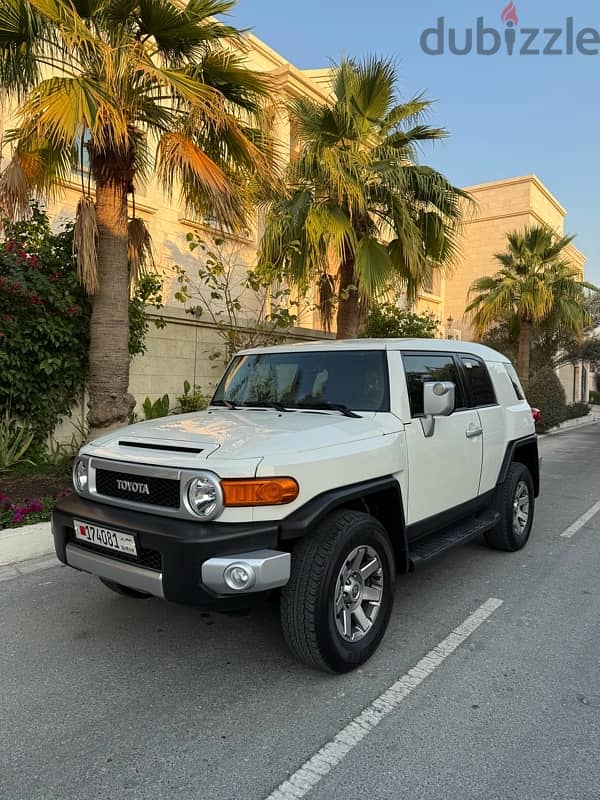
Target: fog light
x,y
80,475
239,577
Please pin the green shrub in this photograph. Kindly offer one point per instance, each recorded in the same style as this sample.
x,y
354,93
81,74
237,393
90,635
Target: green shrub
x,y
576,410
158,408
147,293
44,324
191,400
545,391
387,321
595,398
15,442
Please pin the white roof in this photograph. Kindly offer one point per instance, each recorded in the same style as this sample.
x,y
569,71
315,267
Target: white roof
x,y
429,345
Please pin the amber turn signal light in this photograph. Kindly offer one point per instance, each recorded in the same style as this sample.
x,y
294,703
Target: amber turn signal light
x,y
259,491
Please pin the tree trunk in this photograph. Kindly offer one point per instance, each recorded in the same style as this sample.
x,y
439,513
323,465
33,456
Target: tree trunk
x,y
524,351
110,403
348,315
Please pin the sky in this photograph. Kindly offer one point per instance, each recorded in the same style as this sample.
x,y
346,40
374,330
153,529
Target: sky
x,y
507,115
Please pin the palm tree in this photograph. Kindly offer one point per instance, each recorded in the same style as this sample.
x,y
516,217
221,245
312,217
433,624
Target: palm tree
x,y
148,87
356,195
536,286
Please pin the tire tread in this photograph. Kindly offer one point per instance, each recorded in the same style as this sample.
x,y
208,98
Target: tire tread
x,y
300,596
501,537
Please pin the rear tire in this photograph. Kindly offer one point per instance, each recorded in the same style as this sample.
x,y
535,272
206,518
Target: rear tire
x,y
515,504
124,590
336,607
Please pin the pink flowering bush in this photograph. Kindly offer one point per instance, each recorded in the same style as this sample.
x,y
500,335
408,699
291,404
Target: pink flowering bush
x,y
15,514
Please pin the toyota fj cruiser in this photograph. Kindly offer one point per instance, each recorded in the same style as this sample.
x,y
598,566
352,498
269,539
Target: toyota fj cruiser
x,y
319,471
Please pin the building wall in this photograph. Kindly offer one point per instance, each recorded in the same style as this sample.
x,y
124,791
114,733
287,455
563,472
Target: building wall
x,y
500,207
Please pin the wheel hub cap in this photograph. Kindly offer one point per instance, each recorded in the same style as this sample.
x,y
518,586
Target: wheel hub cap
x,y
358,593
520,508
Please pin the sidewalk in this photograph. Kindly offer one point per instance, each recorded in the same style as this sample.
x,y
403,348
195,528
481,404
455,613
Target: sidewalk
x,y
23,544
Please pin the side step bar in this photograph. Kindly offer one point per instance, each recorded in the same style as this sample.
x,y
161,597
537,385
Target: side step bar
x,y
437,543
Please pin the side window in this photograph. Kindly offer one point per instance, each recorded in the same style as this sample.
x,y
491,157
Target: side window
x,y
424,367
479,381
514,379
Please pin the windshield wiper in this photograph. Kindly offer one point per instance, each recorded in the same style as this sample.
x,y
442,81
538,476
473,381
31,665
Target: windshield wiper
x,y
269,404
329,407
227,403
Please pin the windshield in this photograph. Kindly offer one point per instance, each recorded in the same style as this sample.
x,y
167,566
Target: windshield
x,y
356,379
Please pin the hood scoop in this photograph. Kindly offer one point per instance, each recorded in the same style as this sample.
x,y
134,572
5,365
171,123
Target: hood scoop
x,y
170,448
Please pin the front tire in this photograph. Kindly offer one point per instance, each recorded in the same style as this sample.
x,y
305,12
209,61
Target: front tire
x,y
336,607
515,504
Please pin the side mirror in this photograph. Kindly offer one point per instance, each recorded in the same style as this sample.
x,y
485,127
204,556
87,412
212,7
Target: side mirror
x,y
438,401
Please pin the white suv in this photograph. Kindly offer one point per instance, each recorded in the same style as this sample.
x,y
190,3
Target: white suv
x,y
320,471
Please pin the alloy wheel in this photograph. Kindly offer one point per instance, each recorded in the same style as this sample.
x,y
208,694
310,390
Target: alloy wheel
x,y
520,508
358,593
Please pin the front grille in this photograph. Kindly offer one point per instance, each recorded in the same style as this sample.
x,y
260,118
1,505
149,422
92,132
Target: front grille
x,y
150,559
143,489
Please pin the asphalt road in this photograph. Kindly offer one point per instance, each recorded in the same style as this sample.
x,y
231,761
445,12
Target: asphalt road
x,y
114,699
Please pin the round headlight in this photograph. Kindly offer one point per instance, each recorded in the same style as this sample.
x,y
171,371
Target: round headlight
x,y
205,496
80,475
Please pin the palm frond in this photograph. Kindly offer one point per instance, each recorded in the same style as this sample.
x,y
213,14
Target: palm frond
x,y
139,250
327,287
15,190
373,267
58,108
21,27
228,74
85,244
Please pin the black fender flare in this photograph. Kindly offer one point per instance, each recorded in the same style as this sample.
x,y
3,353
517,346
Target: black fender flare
x,y
525,450
381,496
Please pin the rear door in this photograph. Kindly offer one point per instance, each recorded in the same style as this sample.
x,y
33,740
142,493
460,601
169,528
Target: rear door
x,y
481,396
443,470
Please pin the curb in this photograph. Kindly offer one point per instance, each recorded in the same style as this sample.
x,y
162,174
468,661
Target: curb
x,y
12,571
23,544
571,424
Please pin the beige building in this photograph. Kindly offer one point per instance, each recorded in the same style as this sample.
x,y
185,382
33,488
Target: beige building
x,y
500,207
191,349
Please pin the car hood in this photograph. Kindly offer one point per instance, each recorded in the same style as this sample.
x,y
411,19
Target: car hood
x,y
234,434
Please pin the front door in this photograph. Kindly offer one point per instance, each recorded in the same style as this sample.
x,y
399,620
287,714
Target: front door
x,y
443,470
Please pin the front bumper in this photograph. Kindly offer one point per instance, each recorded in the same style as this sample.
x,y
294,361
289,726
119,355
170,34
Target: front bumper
x,y
180,560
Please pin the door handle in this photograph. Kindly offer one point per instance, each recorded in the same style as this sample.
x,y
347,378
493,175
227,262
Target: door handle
x,y
473,431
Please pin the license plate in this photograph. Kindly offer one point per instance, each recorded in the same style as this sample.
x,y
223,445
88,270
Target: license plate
x,y
105,537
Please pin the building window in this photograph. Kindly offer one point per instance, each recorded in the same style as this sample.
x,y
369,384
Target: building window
x,y
428,281
82,165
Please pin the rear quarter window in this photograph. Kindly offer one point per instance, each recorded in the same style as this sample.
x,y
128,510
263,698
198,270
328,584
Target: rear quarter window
x,y
479,382
514,379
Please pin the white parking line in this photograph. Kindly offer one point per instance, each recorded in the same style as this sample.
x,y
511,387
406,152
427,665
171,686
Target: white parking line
x,y
583,520
314,770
